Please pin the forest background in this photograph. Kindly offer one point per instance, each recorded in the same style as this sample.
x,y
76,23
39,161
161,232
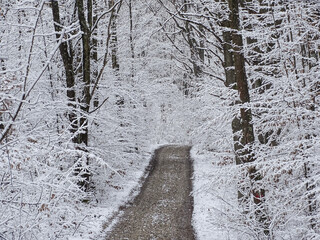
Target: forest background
x,y
87,87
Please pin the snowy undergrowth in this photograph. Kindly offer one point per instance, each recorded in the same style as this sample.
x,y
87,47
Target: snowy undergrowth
x,y
213,198
120,187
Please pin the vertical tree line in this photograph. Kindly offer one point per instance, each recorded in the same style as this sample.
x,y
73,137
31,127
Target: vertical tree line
x,y
262,48
59,150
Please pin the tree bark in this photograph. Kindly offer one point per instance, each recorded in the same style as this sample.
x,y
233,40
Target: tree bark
x,y
242,84
114,53
114,38
85,99
86,74
67,59
131,37
131,29
246,153
92,14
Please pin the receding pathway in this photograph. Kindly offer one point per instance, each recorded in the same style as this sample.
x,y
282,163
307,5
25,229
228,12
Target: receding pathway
x,y
163,209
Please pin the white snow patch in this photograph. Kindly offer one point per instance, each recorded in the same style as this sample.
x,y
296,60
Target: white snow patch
x,y
211,201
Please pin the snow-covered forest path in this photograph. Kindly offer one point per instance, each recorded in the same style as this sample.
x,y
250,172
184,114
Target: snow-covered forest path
x,y
163,209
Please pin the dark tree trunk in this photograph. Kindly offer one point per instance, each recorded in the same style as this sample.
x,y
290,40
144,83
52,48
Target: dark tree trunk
x,y
131,36
67,60
114,53
196,46
92,14
85,99
228,65
231,83
79,126
114,38
131,29
245,153
242,85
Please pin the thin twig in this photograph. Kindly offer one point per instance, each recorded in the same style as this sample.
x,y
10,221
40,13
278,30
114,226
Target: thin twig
x,y
98,106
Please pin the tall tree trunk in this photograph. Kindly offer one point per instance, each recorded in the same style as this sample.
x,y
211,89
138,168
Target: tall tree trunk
x,y
79,127
245,154
92,13
195,43
86,74
231,83
85,99
114,37
67,59
131,29
114,52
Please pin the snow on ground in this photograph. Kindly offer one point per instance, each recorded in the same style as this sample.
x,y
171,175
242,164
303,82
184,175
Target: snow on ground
x,y
212,200
125,188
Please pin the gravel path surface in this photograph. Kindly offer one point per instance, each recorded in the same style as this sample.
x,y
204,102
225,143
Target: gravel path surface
x,y
163,209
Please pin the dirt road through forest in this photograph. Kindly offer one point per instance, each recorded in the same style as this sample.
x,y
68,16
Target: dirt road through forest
x,y
163,208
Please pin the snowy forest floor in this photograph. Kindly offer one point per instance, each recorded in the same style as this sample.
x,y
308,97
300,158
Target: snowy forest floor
x,y
171,171
163,209
214,196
